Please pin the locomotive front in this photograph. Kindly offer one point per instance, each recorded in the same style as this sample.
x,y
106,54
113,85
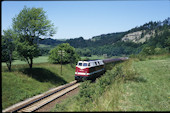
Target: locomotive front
x,y
82,71
88,70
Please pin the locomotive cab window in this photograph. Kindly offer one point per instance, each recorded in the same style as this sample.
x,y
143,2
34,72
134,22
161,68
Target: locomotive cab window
x,y
88,64
80,64
84,64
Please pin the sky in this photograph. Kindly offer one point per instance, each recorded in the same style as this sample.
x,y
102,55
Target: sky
x,y
73,19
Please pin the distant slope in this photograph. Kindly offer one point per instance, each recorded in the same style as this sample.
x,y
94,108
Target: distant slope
x,y
49,41
120,43
138,36
146,31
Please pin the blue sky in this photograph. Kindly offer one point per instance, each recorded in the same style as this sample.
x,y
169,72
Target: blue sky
x,y
91,18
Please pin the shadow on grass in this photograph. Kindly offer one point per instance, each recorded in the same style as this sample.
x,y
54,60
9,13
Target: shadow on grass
x,y
43,75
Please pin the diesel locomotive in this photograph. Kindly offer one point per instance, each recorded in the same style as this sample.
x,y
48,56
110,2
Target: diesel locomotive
x,y
89,70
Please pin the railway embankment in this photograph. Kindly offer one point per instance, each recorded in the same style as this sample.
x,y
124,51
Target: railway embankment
x,y
134,85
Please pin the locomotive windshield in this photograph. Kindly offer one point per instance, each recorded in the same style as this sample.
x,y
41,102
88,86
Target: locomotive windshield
x,y
80,64
84,64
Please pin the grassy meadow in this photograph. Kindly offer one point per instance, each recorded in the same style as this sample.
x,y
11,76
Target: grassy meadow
x,y
133,85
41,59
23,83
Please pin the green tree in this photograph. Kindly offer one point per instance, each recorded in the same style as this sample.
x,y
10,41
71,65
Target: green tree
x,y
150,50
30,25
87,52
167,43
70,56
7,47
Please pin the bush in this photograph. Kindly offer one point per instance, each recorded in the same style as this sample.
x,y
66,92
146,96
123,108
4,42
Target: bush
x,y
159,51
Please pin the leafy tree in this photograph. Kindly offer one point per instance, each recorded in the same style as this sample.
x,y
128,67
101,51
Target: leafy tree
x,y
70,56
167,43
8,47
160,51
87,52
84,52
30,25
150,50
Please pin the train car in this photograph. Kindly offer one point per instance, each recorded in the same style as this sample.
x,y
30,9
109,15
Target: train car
x,y
89,70
106,61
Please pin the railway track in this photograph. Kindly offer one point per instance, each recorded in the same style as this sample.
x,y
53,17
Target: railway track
x,y
43,99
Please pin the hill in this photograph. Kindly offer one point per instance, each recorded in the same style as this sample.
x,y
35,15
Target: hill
x,y
49,41
120,43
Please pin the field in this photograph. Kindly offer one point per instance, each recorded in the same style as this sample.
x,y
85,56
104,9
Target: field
x,y
138,86
150,91
41,59
23,83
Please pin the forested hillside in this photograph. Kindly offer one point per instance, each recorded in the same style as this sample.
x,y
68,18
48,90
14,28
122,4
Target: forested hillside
x,y
155,34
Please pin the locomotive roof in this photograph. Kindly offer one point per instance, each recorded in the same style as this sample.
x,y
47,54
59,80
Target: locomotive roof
x,y
91,63
90,60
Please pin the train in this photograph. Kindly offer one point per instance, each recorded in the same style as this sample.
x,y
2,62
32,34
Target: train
x,y
91,69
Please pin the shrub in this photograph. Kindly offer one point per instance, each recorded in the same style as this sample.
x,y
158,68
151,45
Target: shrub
x,y
159,51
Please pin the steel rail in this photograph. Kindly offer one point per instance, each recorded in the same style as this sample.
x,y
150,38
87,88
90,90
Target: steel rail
x,y
49,99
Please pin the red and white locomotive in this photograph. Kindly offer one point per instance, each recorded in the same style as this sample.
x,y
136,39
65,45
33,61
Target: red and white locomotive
x,y
86,70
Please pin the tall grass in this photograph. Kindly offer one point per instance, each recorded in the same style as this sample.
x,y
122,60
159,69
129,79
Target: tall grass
x,y
17,87
150,91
